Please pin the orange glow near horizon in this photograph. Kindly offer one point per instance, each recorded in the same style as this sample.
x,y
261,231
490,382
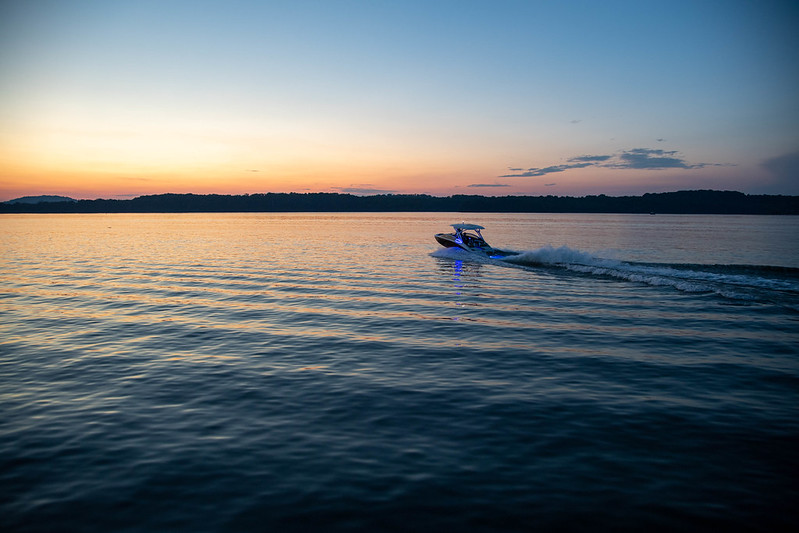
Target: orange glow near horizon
x,y
86,163
103,178
93,161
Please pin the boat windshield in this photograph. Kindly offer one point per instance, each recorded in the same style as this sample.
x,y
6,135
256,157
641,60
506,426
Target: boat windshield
x,y
471,239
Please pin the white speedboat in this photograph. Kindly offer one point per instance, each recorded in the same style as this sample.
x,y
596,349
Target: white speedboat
x,y
468,237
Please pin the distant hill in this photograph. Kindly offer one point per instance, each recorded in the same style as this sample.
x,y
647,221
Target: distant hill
x,y
680,202
40,199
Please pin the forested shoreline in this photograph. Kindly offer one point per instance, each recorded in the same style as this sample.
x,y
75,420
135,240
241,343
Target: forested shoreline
x,y
680,202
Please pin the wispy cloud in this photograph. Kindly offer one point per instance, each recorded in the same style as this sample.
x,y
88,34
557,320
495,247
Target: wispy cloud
x,y
363,189
649,158
533,172
637,159
488,185
590,158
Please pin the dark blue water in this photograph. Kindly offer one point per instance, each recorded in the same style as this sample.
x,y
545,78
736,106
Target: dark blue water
x,y
322,372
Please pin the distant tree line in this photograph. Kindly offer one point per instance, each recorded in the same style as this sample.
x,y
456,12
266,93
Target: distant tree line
x,y
681,202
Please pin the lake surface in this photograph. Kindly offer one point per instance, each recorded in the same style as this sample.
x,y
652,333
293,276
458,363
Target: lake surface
x,y
342,372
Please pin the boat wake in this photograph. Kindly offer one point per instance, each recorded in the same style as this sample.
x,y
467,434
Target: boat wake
x,y
753,283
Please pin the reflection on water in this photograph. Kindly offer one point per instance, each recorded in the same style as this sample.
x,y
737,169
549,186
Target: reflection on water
x,y
298,372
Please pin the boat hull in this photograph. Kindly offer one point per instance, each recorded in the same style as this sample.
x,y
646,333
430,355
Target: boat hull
x,y
447,240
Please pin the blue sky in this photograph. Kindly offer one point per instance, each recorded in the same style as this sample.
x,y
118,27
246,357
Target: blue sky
x,y
113,99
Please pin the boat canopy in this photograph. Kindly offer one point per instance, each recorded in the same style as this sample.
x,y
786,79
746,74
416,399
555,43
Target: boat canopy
x,y
467,226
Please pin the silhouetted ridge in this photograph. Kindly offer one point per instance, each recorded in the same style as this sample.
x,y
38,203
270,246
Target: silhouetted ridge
x,y
680,202
39,199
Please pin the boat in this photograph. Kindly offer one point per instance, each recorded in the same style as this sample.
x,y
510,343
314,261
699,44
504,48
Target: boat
x,y
468,237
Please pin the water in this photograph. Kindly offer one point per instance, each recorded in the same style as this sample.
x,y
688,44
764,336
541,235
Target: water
x,y
341,372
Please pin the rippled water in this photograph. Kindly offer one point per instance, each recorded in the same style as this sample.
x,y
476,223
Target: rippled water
x,y
295,372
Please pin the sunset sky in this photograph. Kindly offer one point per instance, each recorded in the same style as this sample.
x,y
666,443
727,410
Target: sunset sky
x,y
116,99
